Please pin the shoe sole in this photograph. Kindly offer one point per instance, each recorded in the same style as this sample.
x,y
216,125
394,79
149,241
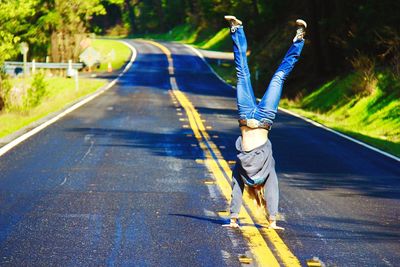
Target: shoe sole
x,y
230,17
301,22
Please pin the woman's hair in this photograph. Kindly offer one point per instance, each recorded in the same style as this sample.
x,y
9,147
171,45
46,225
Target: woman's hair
x,y
256,193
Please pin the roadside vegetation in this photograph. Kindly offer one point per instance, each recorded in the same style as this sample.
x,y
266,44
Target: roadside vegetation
x,y
26,100
52,32
55,94
111,51
372,117
200,38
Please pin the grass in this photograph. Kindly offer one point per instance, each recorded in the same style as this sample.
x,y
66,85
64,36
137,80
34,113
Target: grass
x,y
182,33
200,38
226,71
373,118
61,92
221,41
105,48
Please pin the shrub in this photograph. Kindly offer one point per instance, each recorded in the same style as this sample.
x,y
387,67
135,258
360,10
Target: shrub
x,y
36,92
390,41
365,70
5,88
118,30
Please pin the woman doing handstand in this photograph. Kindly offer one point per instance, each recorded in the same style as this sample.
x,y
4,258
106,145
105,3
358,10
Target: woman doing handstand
x,y
255,166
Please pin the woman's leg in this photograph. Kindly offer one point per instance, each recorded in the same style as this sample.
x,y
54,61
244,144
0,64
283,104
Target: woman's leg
x,y
246,101
268,105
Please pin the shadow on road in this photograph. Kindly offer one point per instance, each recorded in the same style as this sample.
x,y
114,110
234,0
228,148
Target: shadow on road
x,y
351,230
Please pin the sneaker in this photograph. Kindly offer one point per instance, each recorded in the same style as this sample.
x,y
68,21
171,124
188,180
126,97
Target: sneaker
x,y
234,23
301,30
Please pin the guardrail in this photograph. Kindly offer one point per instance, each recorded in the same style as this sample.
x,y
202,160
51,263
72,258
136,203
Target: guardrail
x,y
16,67
43,65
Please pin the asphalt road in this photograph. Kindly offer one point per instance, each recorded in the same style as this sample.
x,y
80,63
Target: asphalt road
x,y
116,182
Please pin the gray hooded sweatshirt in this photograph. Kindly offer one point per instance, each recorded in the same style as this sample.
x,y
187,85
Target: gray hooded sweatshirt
x,y
254,166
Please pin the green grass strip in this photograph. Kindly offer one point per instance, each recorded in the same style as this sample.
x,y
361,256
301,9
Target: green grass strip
x,y
200,38
61,92
373,118
108,47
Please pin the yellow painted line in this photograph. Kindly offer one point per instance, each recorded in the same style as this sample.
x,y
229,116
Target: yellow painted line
x,y
245,260
222,173
223,213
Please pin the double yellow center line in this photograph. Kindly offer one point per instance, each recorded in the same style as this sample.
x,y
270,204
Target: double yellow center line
x,y
271,253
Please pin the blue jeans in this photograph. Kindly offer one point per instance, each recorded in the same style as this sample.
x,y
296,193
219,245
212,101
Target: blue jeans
x,y
246,102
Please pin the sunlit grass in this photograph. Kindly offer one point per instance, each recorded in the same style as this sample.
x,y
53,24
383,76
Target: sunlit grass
x,y
61,93
226,71
183,33
220,41
372,118
105,47
201,38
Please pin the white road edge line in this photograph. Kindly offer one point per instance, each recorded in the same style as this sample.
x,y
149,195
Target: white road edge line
x,y
34,131
301,117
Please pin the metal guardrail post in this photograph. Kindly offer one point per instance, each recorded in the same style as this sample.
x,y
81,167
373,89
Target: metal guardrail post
x,y
76,80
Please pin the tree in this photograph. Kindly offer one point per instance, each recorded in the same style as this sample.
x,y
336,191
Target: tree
x,y
65,24
14,22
